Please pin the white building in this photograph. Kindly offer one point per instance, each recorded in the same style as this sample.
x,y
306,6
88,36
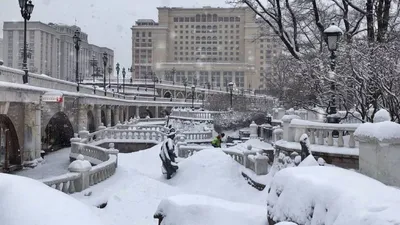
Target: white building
x,y
1,49
211,45
51,49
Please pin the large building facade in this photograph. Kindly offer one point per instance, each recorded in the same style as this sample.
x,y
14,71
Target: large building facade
x,y
1,49
51,49
207,46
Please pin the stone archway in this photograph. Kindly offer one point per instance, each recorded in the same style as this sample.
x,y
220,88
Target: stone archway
x,y
58,133
167,94
9,146
103,118
180,95
90,122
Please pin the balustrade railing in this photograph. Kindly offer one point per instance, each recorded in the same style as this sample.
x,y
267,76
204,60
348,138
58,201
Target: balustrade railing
x,y
198,135
64,183
322,133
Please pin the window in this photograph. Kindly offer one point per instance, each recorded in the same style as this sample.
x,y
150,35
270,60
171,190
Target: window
x,y
149,34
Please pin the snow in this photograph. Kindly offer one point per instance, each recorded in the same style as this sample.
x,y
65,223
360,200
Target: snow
x,y
195,209
381,116
285,223
309,161
331,196
288,118
333,29
26,201
312,124
80,165
383,131
136,189
54,164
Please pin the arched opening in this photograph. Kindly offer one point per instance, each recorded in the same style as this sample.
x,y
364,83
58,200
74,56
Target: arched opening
x,y
112,118
90,122
9,146
58,133
103,118
167,94
180,95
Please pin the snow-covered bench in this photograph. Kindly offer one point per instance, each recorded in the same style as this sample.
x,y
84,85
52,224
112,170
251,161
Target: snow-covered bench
x,y
331,196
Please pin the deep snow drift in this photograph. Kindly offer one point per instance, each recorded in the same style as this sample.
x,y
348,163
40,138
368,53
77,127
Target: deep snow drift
x,y
203,210
27,201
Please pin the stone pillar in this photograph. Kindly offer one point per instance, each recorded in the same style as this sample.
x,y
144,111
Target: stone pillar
x,y
121,114
108,116
137,112
253,130
97,116
156,113
116,115
288,132
127,113
29,153
82,117
38,130
83,167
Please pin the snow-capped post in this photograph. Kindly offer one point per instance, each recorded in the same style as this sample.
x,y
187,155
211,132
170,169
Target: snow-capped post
x,y
305,146
261,164
83,134
74,143
112,151
83,167
253,130
289,132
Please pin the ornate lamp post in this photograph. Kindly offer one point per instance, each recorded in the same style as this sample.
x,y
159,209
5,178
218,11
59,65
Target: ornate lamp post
x,y
105,59
77,42
109,76
193,90
333,34
173,71
203,92
231,89
117,69
123,81
26,11
185,83
155,79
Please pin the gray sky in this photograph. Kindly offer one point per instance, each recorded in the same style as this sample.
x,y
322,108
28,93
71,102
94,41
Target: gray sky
x,y
106,24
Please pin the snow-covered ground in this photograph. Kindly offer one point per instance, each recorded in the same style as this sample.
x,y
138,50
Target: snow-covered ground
x,y
135,191
54,164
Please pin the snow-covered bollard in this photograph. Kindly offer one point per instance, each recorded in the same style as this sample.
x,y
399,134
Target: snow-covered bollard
x,y
112,151
82,166
101,127
321,161
261,164
253,130
83,133
289,132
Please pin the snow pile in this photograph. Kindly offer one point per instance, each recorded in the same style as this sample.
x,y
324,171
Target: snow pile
x,y
309,161
194,209
212,172
26,201
288,118
382,131
381,116
331,196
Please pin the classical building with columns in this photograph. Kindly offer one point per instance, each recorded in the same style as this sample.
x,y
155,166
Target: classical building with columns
x,y
207,46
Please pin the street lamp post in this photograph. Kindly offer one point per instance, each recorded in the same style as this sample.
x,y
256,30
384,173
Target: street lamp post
x,y
333,34
231,89
26,11
193,91
123,80
203,92
77,42
117,69
155,79
109,76
185,83
173,75
105,59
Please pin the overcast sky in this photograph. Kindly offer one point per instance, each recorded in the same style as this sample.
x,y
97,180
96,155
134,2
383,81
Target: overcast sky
x,y
107,22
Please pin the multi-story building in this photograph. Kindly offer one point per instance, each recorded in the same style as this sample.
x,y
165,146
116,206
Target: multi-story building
x,y
51,49
208,46
1,49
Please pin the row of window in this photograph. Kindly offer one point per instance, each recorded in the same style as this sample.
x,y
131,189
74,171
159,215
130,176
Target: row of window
x,y
207,42
206,18
208,59
208,27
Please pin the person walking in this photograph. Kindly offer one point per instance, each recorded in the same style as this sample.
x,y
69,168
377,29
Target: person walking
x,y
168,156
216,143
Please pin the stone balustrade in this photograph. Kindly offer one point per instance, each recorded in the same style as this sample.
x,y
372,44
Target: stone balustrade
x,y
143,127
82,175
321,133
198,135
195,115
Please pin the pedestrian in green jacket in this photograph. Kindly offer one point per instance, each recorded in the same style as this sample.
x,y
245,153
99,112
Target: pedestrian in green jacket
x,y
216,143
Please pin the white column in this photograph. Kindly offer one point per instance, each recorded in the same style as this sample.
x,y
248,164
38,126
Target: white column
x,y
116,115
156,112
108,116
38,131
97,116
82,117
137,111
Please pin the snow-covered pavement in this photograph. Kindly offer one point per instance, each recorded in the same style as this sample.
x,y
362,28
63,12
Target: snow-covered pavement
x,y
54,164
137,188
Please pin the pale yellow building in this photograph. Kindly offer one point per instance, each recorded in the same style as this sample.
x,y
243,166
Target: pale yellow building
x,y
208,46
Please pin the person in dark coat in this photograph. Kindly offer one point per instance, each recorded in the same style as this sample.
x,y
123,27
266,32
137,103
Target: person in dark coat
x,y
168,156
